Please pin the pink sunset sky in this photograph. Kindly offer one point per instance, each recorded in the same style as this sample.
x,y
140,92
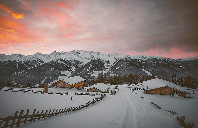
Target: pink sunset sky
x,y
165,28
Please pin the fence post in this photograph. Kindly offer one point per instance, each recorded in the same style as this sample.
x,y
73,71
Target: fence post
x,y
56,113
26,115
48,115
19,118
42,114
13,121
45,114
32,118
59,112
39,115
53,112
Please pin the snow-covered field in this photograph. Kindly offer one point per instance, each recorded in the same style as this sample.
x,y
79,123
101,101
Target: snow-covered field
x,y
13,101
126,109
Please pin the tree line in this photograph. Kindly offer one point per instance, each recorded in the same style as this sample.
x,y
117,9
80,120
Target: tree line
x,y
117,80
187,81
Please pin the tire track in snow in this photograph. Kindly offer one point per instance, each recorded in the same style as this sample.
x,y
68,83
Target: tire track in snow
x,y
130,117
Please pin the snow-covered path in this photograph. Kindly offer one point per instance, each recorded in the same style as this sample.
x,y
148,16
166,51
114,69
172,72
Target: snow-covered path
x,y
130,117
123,110
141,114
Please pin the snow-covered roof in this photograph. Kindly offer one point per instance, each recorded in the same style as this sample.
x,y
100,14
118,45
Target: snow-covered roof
x,y
71,80
101,86
157,83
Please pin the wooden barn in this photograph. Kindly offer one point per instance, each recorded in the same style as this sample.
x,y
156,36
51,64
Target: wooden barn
x,y
70,82
79,85
99,87
62,84
162,91
93,89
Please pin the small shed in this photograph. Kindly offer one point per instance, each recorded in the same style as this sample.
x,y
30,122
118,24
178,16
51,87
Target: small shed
x,y
62,84
45,89
70,82
99,87
162,91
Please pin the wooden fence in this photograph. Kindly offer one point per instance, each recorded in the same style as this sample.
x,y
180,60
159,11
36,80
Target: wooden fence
x,y
23,90
81,93
20,118
181,93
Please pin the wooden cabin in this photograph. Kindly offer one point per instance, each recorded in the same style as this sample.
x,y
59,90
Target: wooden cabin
x,y
70,82
99,87
62,84
162,91
94,90
79,85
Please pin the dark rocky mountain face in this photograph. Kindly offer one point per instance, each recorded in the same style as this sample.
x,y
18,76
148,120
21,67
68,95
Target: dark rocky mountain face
x,y
37,70
87,69
166,68
127,66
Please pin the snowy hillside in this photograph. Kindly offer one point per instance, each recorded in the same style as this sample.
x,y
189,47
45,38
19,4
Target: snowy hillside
x,y
45,68
182,106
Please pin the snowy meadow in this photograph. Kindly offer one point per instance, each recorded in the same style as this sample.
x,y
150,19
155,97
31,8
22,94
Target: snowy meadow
x,y
130,107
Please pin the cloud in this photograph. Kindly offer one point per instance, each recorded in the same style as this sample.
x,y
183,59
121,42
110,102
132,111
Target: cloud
x,y
124,26
15,15
13,32
61,4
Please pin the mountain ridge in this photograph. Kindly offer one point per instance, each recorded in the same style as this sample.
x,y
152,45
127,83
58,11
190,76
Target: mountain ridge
x,y
38,67
4,57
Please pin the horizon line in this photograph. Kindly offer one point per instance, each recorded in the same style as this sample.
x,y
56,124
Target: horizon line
x,y
96,52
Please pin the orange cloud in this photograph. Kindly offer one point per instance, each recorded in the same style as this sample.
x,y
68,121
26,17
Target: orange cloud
x,y
177,53
171,53
18,16
13,32
60,4
15,15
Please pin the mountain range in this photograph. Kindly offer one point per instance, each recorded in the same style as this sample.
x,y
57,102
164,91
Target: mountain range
x,y
45,68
